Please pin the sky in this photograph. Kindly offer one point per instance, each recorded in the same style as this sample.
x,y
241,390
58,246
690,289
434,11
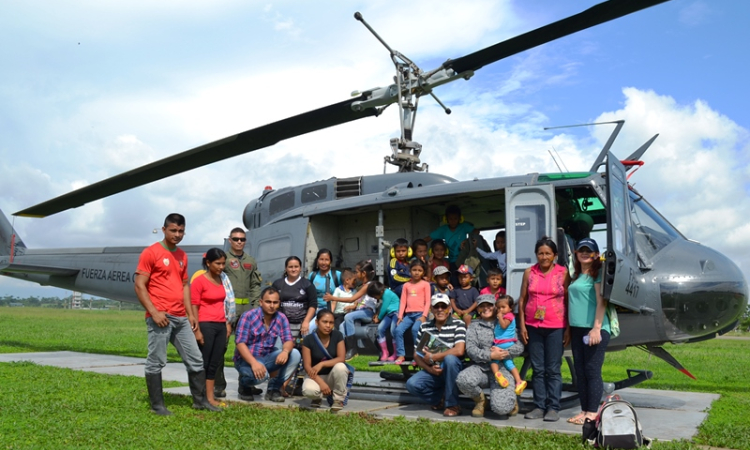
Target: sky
x,y
92,89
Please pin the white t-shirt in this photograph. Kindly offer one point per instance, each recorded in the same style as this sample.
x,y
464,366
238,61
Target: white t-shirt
x,y
340,292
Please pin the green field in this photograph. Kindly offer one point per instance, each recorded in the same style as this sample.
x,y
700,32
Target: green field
x,y
44,407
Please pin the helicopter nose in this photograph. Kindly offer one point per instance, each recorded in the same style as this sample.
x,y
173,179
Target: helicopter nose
x,y
702,293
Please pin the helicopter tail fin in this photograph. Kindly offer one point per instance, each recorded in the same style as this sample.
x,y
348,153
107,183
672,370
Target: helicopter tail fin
x,y
9,240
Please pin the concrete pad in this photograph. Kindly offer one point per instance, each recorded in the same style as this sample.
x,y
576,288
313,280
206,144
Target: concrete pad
x,y
665,415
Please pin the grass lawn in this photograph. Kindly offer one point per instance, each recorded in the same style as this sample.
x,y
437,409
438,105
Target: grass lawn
x,y
46,407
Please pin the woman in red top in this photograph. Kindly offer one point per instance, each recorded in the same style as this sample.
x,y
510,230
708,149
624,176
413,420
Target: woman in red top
x,y
543,327
207,295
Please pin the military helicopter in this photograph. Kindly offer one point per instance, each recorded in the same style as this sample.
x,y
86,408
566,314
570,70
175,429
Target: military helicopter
x,y
667,288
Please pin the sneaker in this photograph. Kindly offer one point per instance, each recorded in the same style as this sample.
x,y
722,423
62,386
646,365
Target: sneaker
x,y
220,394
337,406
275,396
255,391
315,403
551,416
535,413
245,394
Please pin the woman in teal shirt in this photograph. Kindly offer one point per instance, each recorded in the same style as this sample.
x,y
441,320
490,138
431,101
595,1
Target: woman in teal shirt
x,y
589,328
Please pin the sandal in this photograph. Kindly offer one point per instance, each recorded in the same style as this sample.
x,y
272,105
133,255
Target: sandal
x,y
578,419
520,387
399,360
452,411
501,379
438,407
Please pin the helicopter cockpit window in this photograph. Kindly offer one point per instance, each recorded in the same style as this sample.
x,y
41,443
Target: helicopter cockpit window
x,y
652,232
281,202
314,193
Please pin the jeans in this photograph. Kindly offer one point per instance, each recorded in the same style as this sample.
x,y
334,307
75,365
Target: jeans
x,y
247,377
179,333
546,350
432,389
410,320
388,323
364,315
588,361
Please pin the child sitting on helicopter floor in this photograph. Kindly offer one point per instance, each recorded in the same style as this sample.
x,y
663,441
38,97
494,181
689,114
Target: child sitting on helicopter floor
x,y
442,284
387,317
413,308
346,290
464,297
505,337
363,273
398,268
494,283
437,259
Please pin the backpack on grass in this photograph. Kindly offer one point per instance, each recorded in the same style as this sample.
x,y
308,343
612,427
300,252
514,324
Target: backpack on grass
x,y
616,426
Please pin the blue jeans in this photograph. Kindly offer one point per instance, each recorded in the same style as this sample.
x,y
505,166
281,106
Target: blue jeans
x,y
247,377
588,361
388,322
432,389
546,350
179,333
364,315
410,320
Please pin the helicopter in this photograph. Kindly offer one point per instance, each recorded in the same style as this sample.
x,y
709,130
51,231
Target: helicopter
x,y
667,288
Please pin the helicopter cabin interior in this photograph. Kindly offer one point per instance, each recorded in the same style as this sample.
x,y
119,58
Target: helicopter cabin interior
x,y
350,234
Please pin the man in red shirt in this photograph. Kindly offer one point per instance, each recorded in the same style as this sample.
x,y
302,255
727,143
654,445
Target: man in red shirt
x,y
162,288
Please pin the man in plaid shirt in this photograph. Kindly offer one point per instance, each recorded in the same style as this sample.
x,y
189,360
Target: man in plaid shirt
x,y
256,354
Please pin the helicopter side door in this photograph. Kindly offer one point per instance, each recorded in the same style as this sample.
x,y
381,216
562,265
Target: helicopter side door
x,y
620,283
270,245
529,215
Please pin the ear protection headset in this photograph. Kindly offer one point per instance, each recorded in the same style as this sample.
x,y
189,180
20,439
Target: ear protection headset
x,y
445,219
447,251
409,253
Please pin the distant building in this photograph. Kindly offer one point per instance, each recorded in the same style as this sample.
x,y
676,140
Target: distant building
x,y
17,304
76,300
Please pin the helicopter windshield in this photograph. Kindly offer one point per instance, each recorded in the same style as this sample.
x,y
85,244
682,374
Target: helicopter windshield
x,y
652,231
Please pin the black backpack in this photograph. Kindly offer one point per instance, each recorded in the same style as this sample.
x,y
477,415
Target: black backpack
x,y
616,426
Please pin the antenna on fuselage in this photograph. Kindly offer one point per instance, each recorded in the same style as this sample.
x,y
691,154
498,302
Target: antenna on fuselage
x,y
603,154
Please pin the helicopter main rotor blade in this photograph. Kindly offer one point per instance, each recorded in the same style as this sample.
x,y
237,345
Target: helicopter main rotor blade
x,y
228,147
598,14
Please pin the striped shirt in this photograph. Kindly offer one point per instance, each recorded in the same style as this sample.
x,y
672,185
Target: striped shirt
x,y
452,332
260,340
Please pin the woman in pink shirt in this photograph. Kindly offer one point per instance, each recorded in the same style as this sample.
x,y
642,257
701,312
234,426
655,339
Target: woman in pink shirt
x,y
543,327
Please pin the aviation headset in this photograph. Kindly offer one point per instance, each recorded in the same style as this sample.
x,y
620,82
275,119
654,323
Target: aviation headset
x,y
452,209
401,242
440,241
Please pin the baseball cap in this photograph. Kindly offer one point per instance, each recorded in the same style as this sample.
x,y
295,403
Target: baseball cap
x,y
439,270
587,242
465,269
486,298
440,298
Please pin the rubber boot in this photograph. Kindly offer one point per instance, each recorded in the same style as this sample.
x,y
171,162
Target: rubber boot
x,y
383,349
156,395
479,404
197,382
351,347
393,354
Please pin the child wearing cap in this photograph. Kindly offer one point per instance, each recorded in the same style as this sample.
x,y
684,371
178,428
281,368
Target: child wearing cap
x,y
463,298
442,283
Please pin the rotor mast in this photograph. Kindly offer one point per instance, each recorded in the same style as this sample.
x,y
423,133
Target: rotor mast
x,y
410,84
